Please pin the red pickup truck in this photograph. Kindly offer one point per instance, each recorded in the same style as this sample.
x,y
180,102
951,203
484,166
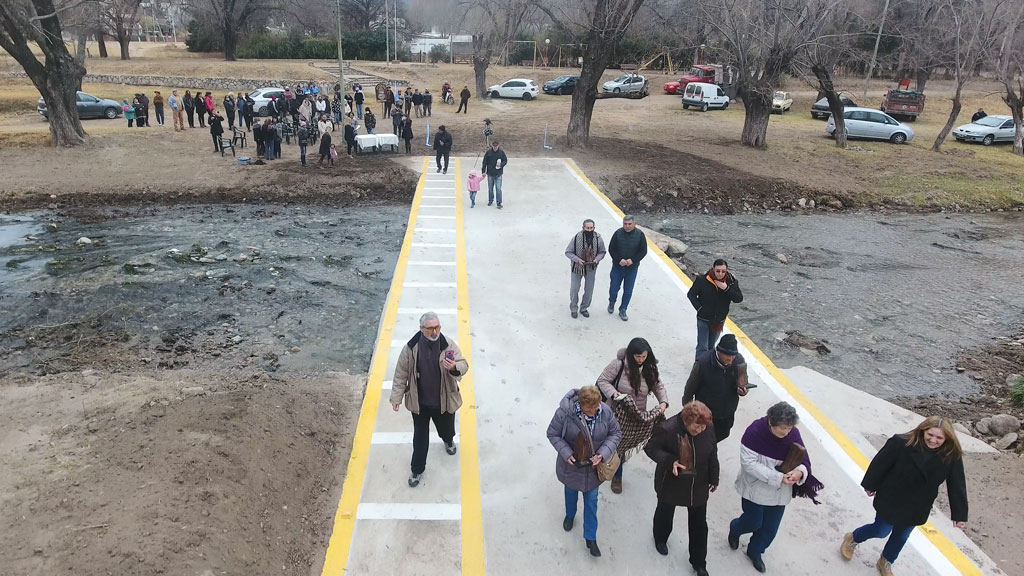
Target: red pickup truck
x,y
906,103
708,73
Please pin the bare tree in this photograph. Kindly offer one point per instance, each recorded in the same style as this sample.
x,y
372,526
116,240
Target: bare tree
x,y
58,76
599,25
495,23
970,35
763,37
231,16
819,59
121,17
1009,65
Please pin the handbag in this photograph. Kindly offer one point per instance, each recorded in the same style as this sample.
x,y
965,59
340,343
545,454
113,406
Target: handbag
x,y
607,468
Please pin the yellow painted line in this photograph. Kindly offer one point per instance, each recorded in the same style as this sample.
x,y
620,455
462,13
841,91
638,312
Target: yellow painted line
x,y
352,490
469,459
957,558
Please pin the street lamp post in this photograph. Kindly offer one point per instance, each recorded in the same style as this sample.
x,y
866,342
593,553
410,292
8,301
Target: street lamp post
x,y
547,43
341,65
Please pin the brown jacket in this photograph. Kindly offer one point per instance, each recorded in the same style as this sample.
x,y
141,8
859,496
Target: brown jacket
x,y
611,389
403,383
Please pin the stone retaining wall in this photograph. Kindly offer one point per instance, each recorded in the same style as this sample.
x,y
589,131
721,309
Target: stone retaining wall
x,y
233,84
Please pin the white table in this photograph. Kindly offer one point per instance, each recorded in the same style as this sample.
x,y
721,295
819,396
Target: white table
x,y
366,142
376,142
387,139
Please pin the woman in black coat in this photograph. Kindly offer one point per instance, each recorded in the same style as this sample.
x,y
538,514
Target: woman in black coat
x,y
904,479
325,148
407,134
190,108
677,484
216,128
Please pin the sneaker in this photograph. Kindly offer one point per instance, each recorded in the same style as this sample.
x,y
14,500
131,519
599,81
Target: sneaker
x,y
438,170
611,307
848,547
445,171
473,205
622,314
489,202
884,566
450,448
702,572
414,480
584,313
499,206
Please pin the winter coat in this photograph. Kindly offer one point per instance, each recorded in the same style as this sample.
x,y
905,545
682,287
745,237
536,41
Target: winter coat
x,y
417,99
370,120
188,103
473,182
325,144
759,481
491,158
350,134
710,301
303,135
565,426
158,101
715,385
464,95
663,448
358,97
407,131
229,105
215,124
404,381
129,112
628,246
209,103
906,483
443,142
611,387
396,117
174,102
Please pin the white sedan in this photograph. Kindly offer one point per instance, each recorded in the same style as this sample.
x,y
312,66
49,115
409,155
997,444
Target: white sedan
x,y
626,83
515,88
986,130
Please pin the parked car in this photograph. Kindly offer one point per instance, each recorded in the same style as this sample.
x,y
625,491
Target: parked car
x,y
820,108
868,123
88,106
704,96
626,83
515,88
986,130
907,104
707,73
561,85
782,102
262,96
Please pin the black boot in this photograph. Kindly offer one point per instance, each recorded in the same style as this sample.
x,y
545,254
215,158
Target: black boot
x,y
594,550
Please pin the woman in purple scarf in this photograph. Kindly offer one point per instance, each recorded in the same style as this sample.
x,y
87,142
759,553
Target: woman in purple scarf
x,y
765,490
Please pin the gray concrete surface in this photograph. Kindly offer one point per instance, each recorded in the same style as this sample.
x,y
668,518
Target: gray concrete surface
x,y
528,352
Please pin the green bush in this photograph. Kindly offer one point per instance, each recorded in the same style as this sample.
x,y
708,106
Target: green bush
x,y
357,45
439,53
1017,393
203,38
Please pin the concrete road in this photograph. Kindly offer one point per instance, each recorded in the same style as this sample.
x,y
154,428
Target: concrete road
x,y
499,280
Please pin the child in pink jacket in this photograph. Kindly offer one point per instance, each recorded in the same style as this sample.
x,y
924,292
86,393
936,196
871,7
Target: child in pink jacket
x,y
473,185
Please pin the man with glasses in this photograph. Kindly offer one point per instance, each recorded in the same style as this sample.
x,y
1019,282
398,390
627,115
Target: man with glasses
x,y
627,248
494,165
710,296
585,250
427,378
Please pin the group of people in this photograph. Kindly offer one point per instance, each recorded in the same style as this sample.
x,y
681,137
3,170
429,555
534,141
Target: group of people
x,y
596,429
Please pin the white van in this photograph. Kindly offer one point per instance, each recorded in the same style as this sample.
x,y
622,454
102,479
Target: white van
x,y
704,96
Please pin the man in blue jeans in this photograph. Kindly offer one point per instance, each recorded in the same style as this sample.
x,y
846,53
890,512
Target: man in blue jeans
x,y
494,165
627,248
710,296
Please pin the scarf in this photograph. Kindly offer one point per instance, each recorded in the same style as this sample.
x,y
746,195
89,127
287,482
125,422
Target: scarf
x,y
588,421
586,249
759,438
636,426
711,278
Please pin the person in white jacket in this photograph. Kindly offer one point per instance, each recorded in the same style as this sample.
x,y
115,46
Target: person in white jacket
x,y
764,489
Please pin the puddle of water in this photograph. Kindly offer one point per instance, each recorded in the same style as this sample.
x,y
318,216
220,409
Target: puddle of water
x,y
17,254
896,296
267,287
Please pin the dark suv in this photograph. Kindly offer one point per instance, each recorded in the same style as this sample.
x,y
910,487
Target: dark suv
x,y
561,85
821,110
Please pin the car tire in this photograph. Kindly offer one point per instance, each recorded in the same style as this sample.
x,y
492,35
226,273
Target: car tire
x,y
560,92
686,106
527,96
704,107
616,90
988,140
262,111
726,105
110,113
495,94
898,138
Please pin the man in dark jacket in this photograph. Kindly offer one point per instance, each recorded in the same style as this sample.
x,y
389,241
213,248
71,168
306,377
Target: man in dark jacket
x,y
718,379
428,100
417,103
359,98
443,145
627,248
303,136
978,115
710,296
494,166
464,97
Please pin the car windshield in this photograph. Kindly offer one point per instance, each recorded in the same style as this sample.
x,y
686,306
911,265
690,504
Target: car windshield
x,y
562,78
696,72
991,121
623,78
780,95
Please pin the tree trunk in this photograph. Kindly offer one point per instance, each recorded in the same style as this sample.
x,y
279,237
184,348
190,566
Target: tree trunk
x,y
937,145
230,42
827,90
101,41
80,46
123,39
1016,104
480,65
757,111
922,76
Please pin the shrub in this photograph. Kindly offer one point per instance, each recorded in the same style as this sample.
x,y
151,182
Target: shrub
x,y
1017,393
438,53
203,38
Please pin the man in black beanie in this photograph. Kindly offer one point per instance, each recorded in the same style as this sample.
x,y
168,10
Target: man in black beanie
x,y
718,379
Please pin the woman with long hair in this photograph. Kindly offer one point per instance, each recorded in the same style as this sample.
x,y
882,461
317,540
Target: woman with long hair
x,y
904,480
626,382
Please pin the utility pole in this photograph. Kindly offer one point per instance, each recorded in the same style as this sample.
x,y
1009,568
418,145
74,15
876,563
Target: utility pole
x,y
874,55
387,33
341,64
